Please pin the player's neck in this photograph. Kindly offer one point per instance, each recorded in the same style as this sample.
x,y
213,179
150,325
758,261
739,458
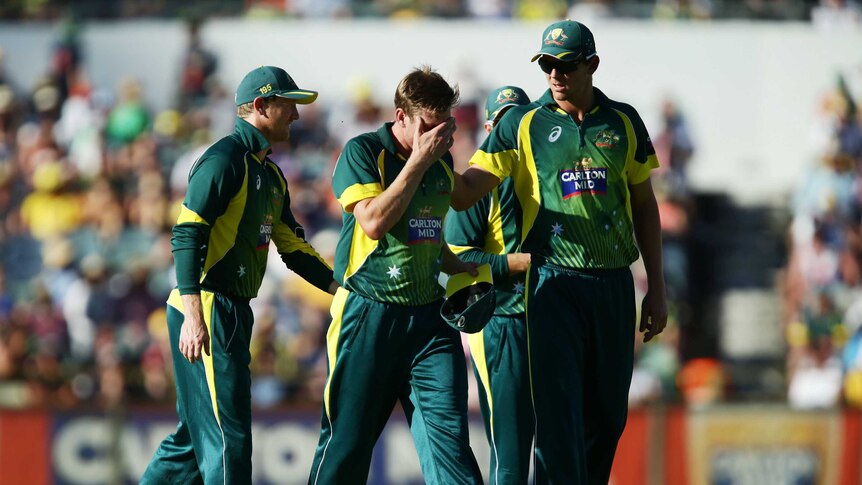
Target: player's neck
x,y
579,105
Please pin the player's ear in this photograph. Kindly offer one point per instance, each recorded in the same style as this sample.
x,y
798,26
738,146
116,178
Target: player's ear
x,y
401,117
259,105
593,63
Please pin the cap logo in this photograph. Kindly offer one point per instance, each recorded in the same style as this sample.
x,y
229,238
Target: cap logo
x,y
555,37
461,321
507,95
265,89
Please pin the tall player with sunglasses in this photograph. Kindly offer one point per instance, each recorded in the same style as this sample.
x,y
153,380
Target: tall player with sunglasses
x,y
580,163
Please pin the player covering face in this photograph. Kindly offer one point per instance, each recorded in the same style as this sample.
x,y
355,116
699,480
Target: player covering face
x,y
387,342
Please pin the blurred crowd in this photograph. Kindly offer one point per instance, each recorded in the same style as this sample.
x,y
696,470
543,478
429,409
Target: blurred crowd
x,y
822,289
91,181
90,185
829,13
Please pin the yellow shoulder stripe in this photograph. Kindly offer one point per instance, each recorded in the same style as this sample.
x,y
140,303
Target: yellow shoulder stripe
x,y
357,192
188,215
460,249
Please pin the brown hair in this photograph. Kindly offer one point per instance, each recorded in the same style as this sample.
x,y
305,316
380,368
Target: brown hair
x,y
424,89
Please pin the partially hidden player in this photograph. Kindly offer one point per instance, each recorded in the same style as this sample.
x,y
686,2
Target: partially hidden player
x,y
490,232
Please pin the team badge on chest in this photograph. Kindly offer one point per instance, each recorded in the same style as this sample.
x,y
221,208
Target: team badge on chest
x,y
607,139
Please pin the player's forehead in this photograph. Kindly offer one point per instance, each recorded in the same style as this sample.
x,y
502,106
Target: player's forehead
x,y
433,118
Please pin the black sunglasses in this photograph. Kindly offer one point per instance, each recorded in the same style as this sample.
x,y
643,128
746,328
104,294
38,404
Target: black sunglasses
x,y
563,67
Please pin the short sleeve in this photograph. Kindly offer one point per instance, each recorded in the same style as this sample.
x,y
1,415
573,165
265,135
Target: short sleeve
x,y
638,168
357,174
499,152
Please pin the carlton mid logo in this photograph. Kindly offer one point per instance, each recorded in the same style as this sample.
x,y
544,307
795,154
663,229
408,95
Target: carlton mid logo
x,y
424,230
586,180
265,234
555,37
507,95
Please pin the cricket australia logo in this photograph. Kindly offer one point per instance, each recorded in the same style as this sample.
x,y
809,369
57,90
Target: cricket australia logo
x,y
583,179
555,37
555,134
507,95
607,139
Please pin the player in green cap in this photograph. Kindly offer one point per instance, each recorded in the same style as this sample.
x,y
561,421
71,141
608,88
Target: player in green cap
x,y
580,163
387,341
237,202
489,232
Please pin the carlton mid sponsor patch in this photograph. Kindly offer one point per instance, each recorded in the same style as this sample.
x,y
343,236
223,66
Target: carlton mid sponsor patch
x,y
424,230
587,181
265,233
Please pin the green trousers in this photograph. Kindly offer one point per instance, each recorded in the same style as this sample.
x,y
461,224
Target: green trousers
x,y
212,443
580,333
499,354
379,354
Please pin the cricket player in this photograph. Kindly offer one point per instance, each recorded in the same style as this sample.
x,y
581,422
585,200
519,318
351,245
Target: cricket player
x,y
580,163
489,232
387,342
237,202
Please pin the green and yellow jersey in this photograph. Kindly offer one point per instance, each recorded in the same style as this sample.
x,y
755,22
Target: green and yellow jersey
x,y
485,233
572,180
235,205
403,266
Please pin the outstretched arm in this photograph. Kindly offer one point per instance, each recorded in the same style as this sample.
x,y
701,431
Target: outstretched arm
x,y
471,186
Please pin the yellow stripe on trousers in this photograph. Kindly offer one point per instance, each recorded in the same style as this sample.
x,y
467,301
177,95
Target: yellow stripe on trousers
x,y
337,312
207,302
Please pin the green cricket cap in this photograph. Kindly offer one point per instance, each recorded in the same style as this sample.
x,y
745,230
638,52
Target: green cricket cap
x,y
266,81
502,98
567,40
470,300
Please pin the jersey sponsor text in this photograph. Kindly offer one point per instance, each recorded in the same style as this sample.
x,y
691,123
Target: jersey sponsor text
x,y
424,230
578,182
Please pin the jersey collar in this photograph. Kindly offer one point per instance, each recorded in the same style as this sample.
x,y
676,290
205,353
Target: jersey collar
x,y
385,135
250,137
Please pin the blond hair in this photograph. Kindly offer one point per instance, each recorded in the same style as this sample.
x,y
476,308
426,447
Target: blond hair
x,y
245,110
